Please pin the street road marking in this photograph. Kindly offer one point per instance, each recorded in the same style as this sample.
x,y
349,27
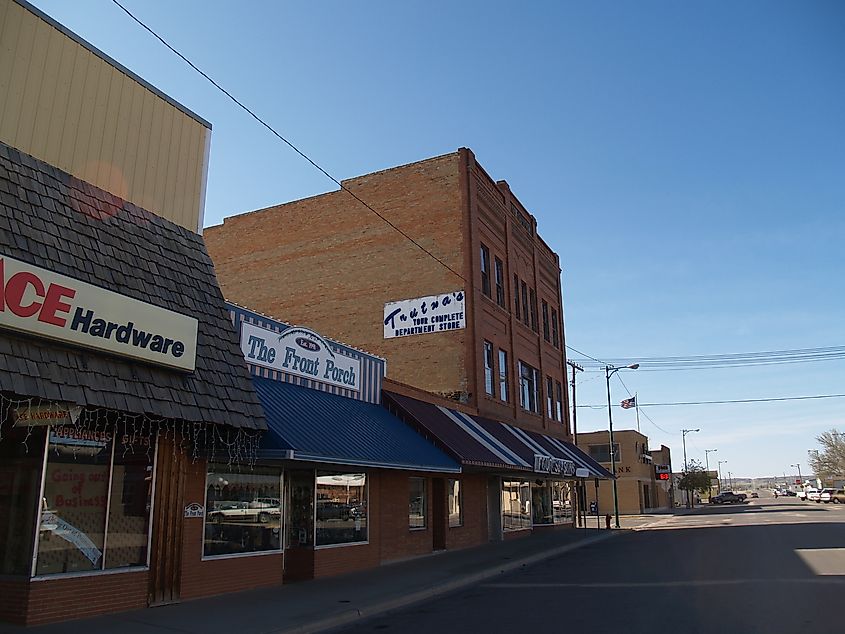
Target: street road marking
x,y
823,561
668,584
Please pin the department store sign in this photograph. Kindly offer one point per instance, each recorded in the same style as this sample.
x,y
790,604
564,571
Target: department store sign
x,y
40,302
301,352
424,315
553,466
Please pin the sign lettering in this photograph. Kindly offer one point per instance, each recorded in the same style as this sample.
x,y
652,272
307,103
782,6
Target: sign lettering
x,y
40,302
554,466
301,352
435,313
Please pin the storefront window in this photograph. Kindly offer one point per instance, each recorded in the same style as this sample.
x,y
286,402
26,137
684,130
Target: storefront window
x,y
453,492
243,511
341,508
541,503
85,525
417,503
516,505
21,462
131,502
562,502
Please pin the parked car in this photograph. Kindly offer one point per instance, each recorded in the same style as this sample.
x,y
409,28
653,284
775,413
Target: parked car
x,y
812,494
838,496
754,494
825,495
789,493
727,497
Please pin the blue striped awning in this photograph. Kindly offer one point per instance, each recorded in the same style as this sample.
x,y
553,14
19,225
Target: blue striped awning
x,y
315,426
481,442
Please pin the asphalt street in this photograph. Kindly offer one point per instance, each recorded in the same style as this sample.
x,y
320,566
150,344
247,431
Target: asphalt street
x,y
769,566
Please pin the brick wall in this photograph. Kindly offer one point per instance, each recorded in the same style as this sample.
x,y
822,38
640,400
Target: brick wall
x,y
216,576
397,540
14,594
330,264
474,529
68,598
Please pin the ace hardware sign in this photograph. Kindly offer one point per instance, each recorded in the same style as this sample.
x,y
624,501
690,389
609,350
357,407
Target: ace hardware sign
x,y
39,302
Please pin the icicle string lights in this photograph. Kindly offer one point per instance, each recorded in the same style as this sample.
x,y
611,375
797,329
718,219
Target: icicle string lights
x,y
139,431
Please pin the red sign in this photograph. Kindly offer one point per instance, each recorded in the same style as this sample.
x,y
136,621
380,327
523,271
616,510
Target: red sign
x,y
662,476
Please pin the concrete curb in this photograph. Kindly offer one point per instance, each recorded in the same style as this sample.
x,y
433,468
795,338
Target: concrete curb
x,y
356,614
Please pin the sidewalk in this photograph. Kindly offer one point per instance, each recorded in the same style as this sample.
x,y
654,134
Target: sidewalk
x,y
319,605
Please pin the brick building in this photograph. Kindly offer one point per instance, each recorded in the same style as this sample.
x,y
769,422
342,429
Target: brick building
x,y
329,263
473,342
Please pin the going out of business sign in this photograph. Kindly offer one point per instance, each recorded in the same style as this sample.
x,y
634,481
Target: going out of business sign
x,y
40,302
301,352
424,315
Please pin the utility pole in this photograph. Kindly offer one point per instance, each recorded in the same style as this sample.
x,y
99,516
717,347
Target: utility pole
x,y
581,487
684,433
707,453
637,406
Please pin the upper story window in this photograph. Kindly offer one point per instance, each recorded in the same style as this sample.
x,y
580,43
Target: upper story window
x,y
485,270
533,307
545,315
601,453
517,313
500,282
559,400
488,368
555,333
503,376
529,387
550,410
525,311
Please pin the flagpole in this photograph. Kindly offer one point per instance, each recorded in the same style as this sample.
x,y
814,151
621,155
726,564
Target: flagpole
x,y
637,405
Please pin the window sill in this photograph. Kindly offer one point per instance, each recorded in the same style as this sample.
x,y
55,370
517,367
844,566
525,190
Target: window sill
x,y
417,529
90,573
331,546
259,553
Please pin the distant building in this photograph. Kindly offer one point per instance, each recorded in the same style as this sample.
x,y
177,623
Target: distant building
x,y
637,485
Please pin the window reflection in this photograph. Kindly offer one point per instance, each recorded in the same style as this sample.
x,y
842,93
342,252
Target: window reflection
x,y
516,505
243,511
454,502
341,514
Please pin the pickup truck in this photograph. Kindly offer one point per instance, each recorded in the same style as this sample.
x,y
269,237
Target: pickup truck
x,y
727,497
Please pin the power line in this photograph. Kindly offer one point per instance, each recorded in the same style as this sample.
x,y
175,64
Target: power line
x,y
584,354
741,400
284,140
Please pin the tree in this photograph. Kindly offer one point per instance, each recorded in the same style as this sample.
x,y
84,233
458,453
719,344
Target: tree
x,y
695,478
829,462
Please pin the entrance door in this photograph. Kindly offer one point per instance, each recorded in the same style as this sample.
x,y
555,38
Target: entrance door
x,y
439,515
299,544
646,496
494,509
166,551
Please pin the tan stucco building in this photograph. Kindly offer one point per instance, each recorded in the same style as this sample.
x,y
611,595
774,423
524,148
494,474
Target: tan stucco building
x,y
637,487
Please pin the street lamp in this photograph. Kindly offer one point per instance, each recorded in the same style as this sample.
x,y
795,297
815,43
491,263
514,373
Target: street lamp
x,y
684,433
707,466
719,467
609,371
798,466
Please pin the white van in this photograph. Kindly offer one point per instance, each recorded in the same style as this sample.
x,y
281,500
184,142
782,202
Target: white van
x,y
812,494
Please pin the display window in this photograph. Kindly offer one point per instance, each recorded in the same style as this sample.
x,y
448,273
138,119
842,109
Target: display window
x,y
454,503
541,503
516,505
96,500
562,501
243,511
341,508
417,503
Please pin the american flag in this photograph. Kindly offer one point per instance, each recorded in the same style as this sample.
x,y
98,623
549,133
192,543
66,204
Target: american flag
x,y
628,403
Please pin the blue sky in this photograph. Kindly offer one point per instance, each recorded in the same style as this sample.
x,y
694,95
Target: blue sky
x,y
686,160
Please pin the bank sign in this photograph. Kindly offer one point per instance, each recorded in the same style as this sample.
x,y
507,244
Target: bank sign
x,y
435,313
39,302
301,352
553,466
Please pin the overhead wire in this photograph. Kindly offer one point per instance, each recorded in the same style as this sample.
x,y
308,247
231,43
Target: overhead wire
x,y
728,401
284,139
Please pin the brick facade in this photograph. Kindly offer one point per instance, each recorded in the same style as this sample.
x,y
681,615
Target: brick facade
x,y
330,264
